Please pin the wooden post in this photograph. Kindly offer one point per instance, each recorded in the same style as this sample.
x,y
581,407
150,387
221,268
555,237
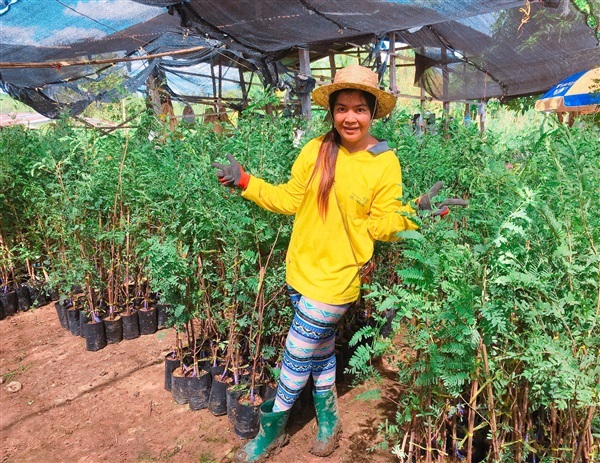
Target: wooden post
x,y
445,79
467,114
481,114
392,55
153,91
421,87
243,88
220,82
305,70
332,65
214,81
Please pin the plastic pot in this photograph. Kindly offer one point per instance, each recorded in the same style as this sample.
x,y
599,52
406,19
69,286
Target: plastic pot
x,y
131,326
199,390
162,316
95,338
36,296
53,294
23,298
217,401
62,315
74,321
179,388
10,302
247,422
170,364
83,319
113,329
232,395
148,320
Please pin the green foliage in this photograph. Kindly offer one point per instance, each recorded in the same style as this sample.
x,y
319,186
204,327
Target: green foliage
x,y
513,279
502,295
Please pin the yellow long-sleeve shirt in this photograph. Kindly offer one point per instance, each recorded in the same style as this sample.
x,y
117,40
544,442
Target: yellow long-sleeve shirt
x,y
320,264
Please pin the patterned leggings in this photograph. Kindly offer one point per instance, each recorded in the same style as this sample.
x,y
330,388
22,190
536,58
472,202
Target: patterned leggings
x,y
309,348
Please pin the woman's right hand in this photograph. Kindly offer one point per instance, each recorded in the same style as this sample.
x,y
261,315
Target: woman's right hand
x,y
232,174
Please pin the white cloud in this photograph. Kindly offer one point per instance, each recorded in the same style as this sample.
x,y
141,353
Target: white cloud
x,y
73,34
19,35
114,10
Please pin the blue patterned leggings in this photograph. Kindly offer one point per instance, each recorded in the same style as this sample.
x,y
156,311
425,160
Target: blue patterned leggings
x,y
309,349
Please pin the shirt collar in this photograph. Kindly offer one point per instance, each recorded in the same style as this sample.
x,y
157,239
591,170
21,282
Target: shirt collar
x,y
379,148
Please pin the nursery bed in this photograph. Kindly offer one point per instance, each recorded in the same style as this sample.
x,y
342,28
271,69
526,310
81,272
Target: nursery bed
x,y
111,405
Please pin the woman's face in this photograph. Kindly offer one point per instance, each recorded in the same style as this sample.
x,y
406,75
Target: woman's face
x,y
352,119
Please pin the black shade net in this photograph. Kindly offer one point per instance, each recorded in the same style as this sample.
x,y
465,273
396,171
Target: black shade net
x,y
465,49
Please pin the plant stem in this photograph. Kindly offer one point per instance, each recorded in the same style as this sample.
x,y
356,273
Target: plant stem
x,y
471,419
490,403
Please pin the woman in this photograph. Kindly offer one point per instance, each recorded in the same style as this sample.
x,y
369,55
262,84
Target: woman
x,y
344,191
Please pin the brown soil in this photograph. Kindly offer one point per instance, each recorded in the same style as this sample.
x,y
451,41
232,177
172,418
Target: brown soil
x,y
246,400
111,405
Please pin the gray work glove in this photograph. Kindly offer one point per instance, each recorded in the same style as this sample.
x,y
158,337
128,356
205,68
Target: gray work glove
x,y
425,202
232,174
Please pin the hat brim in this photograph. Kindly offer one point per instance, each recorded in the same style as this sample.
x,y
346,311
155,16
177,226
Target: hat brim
x,y
386,102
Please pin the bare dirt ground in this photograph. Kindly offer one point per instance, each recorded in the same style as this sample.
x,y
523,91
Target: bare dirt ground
x,y
111,405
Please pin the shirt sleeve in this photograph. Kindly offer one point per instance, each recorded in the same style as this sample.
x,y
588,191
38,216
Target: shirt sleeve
x,y
284,198
388,215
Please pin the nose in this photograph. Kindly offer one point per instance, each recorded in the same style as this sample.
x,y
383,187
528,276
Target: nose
x,y
351,116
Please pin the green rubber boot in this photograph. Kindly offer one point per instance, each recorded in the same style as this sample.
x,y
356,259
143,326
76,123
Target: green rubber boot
x,y
328,419
269,439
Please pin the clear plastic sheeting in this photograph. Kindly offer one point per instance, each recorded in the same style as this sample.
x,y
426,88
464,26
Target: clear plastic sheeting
x,y
70,53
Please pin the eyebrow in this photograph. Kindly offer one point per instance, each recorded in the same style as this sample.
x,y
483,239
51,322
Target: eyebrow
x,y
345,105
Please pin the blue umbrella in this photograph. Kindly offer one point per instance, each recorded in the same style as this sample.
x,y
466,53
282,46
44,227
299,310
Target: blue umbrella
x,y
579,92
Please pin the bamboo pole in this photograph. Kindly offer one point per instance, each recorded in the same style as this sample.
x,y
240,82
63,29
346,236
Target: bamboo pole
x,y
471,420
490,404
88,62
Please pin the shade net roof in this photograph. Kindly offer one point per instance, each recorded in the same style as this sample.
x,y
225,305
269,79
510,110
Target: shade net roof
x,y
67,54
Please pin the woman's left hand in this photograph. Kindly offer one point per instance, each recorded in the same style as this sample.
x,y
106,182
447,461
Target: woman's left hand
x,y
425,202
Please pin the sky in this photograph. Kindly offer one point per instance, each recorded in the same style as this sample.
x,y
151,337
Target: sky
x,y
56,22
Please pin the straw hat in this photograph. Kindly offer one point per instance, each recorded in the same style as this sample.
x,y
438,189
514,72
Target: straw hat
x,y
359,78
